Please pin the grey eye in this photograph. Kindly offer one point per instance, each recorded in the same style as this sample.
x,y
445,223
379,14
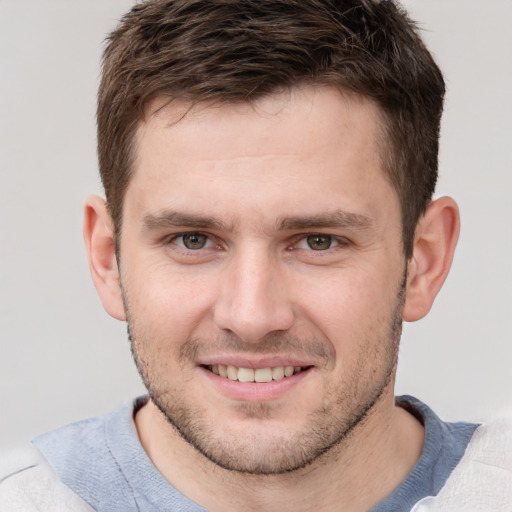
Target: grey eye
x,y
194,240
319,242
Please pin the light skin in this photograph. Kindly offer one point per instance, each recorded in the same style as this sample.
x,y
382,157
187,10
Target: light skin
x,y
265,236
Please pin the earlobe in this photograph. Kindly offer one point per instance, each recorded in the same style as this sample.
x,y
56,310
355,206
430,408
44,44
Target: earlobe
x,y
99,242
434,246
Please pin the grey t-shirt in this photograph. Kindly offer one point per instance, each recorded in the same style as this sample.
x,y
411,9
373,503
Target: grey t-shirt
x,y
102,461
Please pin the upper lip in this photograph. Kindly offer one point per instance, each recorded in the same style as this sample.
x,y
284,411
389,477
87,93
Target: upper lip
x,y
254,362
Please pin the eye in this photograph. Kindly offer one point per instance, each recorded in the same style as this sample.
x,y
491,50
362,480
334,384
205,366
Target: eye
x,y
317,242
192,241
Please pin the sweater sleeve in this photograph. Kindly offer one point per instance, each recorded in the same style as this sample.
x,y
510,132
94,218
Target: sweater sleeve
x,y
482,481
29,484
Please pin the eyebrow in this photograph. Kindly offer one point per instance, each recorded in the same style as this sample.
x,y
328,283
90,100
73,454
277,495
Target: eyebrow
x,y
170,219
337,219
167,219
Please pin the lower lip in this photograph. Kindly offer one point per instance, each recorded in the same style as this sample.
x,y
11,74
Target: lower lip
x,y
254,391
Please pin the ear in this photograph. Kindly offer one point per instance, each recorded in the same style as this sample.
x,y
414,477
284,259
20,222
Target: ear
x,y
99,242
435,239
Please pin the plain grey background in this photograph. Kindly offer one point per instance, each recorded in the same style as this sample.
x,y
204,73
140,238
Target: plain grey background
x,y
62,358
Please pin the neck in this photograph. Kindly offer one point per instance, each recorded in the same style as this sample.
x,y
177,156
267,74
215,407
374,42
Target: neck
x,y
355,475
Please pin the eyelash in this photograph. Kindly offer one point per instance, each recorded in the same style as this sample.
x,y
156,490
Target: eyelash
x,y
339,241
175,238
331,239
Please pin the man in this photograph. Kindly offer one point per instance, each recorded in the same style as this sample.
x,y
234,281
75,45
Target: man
x,y
269,170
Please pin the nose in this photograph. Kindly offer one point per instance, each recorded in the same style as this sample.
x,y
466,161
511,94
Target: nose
x,y
253,300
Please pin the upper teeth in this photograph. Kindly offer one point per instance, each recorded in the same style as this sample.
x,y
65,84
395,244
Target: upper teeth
x,y
254,375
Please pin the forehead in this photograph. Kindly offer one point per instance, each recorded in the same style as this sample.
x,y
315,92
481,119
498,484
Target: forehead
x,y
310,142
315,109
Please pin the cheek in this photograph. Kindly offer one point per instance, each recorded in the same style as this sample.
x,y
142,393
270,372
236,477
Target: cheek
x,y
167,306
348,307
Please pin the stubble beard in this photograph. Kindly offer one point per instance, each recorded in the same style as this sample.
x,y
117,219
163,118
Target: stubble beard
x,y
345,408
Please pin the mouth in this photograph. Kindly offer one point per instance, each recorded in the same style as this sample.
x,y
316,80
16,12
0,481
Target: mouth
x,y
261,375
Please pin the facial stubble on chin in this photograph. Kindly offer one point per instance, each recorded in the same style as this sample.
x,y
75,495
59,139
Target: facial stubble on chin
x,y
344,409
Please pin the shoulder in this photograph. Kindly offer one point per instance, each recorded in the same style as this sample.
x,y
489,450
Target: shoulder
x,y
68,469
76,446
482,480
87,457
28,483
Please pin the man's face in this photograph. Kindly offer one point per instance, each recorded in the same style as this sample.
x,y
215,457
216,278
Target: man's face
x,y
263,241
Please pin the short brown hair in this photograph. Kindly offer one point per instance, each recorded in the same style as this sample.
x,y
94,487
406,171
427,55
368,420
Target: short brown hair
x,y
240,50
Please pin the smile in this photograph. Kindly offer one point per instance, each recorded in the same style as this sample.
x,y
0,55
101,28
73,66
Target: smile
x,y
254,375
